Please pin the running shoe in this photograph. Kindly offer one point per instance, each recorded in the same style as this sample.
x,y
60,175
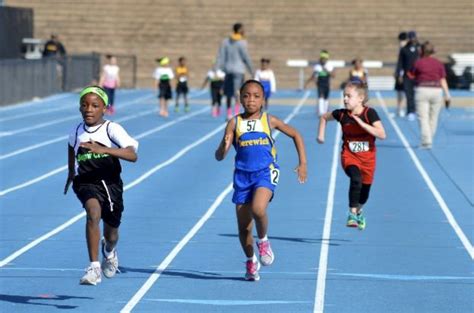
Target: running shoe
x,y
91,277
109,264
352,220
176,109
360,221
265,252
187,108
252,271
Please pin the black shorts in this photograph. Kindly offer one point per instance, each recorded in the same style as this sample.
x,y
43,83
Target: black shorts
x,y
165,90
182,88
398,85
109,197
323,91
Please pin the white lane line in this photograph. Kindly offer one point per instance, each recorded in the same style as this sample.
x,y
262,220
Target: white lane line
x,y
57,121
63,138
324,253
170,257
444,207
63,168
71,221
16,117
33,181
58,139
34,102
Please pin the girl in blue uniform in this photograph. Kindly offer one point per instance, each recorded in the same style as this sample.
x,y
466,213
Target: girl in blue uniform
x,y
256,171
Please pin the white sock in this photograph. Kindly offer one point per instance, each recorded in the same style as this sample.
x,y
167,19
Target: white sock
x,y
108,254
95,264
321,110
263,239
253,258
326,105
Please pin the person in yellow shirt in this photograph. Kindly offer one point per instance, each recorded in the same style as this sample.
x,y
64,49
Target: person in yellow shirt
x,y
182,73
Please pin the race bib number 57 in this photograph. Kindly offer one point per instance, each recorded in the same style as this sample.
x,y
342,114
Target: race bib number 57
x,y
250,126
359,146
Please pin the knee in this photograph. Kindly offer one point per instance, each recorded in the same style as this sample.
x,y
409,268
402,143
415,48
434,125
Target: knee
x,y
93,217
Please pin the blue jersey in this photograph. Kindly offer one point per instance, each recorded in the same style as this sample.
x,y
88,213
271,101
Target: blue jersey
x,y
254,144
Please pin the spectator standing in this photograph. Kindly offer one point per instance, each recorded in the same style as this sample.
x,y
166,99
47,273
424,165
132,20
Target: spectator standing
x,y
430,78
406,58
322,74
53,48
110,80
182,74
163,75
233,59
216,78
266,76
402,41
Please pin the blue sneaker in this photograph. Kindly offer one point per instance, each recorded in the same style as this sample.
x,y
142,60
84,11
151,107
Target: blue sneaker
x,y
352,220
361,221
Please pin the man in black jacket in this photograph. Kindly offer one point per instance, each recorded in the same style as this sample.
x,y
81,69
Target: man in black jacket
x,y
406,58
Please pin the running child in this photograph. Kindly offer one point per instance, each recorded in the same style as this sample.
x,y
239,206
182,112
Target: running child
x,y
256,171
266,76
110,80
361,125
216,78
95,147
163,75
182,73
322,74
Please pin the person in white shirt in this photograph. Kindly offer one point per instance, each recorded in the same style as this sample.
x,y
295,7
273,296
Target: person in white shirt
x,y
322,74
95,148
110,80
266,76
163,76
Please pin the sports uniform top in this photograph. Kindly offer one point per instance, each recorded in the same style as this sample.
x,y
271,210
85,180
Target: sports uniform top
x,y
163,74
182,73
323,73
111,73
266,77
215,75
254,144
355,139
94,167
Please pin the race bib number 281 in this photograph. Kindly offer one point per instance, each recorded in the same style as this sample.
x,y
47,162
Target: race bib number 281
x,y
359,146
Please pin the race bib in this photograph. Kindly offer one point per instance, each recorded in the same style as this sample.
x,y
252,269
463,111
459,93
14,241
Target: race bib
x,y
359,146
274,176
247,126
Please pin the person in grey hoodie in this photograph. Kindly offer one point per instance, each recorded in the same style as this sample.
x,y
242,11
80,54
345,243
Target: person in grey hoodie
x,y
233,59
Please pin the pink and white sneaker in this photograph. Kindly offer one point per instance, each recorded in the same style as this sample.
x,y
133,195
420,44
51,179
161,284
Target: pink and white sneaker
x,y
265,251
252,271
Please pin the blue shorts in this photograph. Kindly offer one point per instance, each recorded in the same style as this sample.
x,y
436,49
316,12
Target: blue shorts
x,y
246,183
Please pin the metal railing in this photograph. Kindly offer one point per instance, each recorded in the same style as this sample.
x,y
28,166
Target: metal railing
x,y
22,79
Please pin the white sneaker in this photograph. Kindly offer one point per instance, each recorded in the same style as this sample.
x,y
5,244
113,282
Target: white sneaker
x,y
411,117
109,264
266,253
92,276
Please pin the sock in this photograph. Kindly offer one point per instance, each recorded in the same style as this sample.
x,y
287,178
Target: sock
x,y
95,264
263,239
321,110
253,258
108,254
326,105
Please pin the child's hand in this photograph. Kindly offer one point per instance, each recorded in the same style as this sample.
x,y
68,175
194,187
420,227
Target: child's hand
x,y
69,180
320,139
227,142
93,147
301,171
